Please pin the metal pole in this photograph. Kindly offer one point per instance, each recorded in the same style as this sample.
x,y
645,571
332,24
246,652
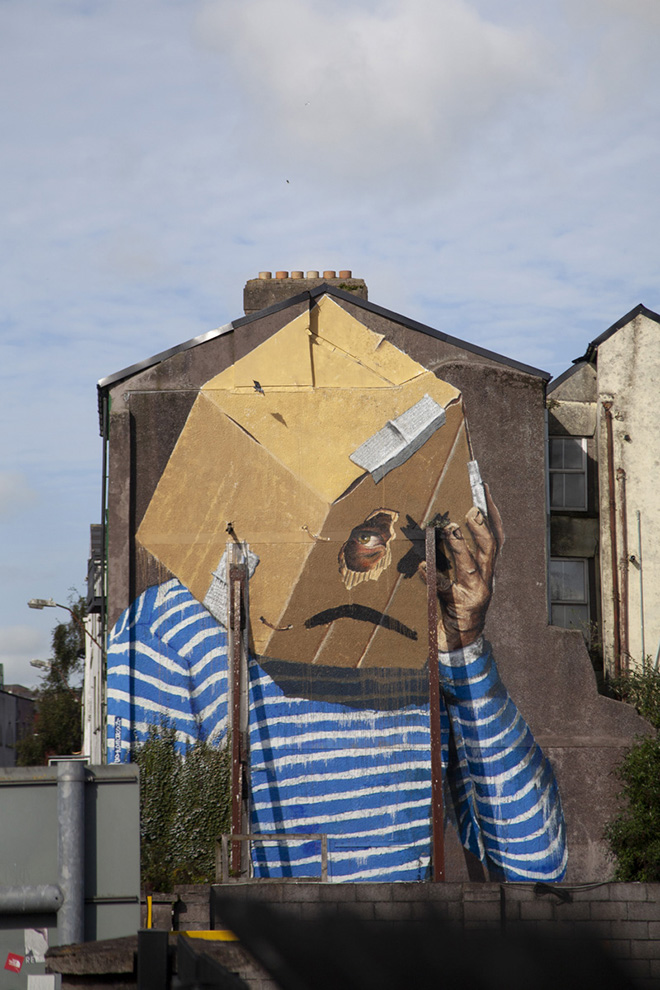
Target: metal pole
x,y
71,829
437,808
237,574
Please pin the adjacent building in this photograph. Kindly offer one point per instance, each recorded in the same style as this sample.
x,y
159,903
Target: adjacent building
x,y
17,711
604,462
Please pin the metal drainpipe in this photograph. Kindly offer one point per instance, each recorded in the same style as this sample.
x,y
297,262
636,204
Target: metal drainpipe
x,y
607,407
71,829
105,433
623,586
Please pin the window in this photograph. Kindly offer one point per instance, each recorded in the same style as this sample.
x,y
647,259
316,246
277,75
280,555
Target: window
x,y
569,594
568,473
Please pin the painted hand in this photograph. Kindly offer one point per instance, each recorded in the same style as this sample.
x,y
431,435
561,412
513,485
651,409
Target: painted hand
x,y
464,600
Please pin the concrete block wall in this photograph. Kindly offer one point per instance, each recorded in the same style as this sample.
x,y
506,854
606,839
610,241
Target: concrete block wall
x,y
625,918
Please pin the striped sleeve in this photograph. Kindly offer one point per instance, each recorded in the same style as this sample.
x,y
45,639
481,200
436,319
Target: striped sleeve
x,y
167,659
504,791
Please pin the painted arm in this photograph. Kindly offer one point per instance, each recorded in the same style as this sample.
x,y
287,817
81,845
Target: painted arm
x,y
504,791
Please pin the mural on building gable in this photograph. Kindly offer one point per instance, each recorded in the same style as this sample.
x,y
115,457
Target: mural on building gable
x,y
324,453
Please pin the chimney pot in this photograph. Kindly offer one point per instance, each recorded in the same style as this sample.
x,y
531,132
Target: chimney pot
x,y
264,291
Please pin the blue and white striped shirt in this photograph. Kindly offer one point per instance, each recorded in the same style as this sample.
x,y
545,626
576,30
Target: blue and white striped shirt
x,y
359,774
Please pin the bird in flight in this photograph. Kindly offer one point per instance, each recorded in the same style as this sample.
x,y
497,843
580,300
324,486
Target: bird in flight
x,y
257,387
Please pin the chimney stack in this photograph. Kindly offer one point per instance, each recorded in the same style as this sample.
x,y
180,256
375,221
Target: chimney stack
x,y
266,291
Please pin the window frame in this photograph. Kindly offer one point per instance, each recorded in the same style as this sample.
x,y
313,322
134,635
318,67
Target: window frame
x,y
583,471
583,603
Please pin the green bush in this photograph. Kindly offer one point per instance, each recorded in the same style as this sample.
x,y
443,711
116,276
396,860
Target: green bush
x,y
634,835
184,807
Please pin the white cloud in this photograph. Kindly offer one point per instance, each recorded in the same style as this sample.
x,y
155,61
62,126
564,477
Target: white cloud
x,y
15,494
644,13
614,57
364,91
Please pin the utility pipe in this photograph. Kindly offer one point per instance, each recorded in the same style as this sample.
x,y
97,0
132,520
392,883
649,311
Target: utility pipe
x,y
68,898
71,829
624,563
42,899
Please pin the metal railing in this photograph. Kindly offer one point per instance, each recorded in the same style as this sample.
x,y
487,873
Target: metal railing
x,y
223,873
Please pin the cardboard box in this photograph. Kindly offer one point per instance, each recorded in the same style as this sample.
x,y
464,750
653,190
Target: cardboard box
x,y
328,450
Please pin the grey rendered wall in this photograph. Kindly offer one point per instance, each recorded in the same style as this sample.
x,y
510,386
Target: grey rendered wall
x,y
29,853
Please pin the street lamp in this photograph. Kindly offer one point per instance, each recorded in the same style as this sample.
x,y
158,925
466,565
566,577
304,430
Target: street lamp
x,y
41,603
92,708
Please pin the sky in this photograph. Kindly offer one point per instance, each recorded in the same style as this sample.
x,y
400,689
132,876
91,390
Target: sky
x,y
489,167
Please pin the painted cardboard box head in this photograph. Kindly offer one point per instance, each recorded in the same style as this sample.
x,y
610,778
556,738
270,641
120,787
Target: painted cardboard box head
x,y
328,449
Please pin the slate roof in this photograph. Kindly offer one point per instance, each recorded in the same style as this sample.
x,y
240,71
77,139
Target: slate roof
x,y
592,347
106,383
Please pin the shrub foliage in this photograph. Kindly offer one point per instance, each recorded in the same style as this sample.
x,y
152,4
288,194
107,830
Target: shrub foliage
x,y
184,807
634,835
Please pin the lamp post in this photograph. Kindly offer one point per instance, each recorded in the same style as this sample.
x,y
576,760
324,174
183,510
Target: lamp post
x,y
93,690
41,603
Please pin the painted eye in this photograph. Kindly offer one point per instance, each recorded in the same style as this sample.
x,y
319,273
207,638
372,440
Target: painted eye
x,y
368,540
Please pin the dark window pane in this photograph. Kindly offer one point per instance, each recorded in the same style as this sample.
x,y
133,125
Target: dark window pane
x,y
557,491
571,617
573,454
574,491
556,452
568,581
555,581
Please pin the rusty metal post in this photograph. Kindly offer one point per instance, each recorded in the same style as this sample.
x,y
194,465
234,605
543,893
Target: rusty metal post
x,y
437,807
237,579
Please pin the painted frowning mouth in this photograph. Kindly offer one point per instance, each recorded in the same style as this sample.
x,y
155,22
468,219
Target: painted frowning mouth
x,y
362,613
366,553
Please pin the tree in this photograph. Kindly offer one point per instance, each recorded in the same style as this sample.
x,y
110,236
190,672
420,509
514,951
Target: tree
x,y
58,720
634,835
184,807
